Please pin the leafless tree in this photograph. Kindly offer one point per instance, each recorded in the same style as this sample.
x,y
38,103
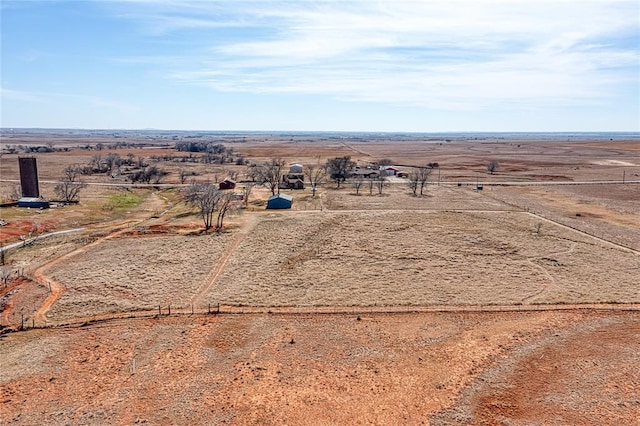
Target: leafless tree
x,y
381,182
130,159
112,161
68,188
357,183
315,174
147,175
413,182
226,203
419,177
269,174
204,196
183,176
96,163
538,228
493,166
339,167
253,172
231,174
246,192
35,230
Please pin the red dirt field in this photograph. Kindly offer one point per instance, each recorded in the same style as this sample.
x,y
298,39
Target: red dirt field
x,y
574,367
16,228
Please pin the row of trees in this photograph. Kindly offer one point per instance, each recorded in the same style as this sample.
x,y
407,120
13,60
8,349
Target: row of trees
x,y
339,170
136,169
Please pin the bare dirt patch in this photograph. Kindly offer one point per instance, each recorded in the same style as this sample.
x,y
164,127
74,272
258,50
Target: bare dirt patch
x,y
589,375
301,369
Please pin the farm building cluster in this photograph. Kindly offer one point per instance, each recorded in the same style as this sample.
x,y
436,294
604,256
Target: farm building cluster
x,y
294,179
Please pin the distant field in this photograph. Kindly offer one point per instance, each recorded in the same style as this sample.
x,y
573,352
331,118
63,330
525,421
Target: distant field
x,y
354,258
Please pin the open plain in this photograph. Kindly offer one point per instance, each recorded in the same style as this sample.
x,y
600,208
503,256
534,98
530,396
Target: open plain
x,y
517,303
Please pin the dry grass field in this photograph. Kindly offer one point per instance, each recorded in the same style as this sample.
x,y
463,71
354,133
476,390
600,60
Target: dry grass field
x,y
422,258
129,274
354,258
512,305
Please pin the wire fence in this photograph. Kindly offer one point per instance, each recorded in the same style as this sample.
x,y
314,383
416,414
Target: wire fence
x,y
21,322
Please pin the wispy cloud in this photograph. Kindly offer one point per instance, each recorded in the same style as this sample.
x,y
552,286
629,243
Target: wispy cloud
x,y
459,54
64,98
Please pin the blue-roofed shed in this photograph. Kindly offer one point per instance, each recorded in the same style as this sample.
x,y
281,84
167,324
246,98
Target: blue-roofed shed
x,y
33,202
280,201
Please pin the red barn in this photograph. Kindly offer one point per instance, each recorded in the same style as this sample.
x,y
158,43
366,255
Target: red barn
x,y
227,184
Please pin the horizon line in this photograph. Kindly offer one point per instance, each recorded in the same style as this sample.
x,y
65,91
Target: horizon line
x,y
239,131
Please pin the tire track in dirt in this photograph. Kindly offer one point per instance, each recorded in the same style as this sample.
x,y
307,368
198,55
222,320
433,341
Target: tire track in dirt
x,y
216,272
552,281
510,389
57,288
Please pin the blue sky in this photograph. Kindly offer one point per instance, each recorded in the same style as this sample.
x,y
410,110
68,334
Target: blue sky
x,y
387,65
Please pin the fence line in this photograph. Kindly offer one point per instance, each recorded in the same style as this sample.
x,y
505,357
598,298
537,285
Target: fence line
x,y
27,323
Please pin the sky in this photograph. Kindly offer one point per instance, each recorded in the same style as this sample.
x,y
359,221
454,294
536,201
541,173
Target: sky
x,y
381,66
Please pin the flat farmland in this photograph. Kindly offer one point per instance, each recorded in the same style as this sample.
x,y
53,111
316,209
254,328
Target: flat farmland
x,y
130,274
517,304
422,258
355,258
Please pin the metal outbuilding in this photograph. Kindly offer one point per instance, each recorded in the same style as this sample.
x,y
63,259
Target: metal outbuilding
x,y
33,202
280,201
